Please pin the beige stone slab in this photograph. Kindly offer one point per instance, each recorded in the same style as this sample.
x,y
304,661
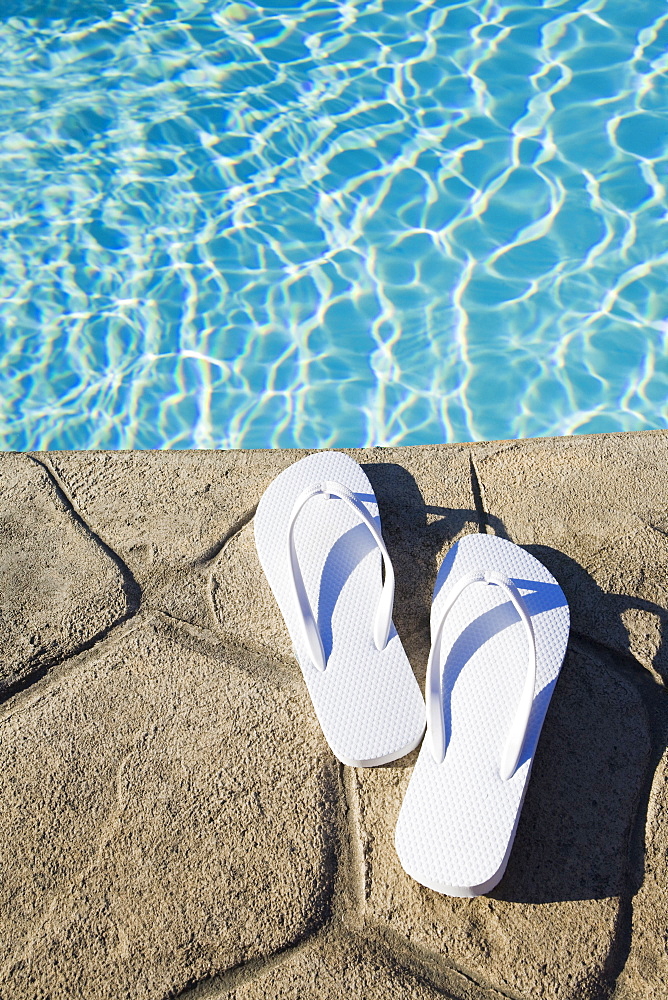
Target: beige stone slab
x,y
59,588
645,975
167,813
594,509
426,502
166,513
170,507
333,966
550,928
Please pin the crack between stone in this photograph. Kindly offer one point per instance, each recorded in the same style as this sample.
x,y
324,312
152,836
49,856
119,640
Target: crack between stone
x,y
54,671
654,527
131,588
398,954
414,958
48,666
352,890
202,631
209,559
403,955
215,550
481,513
219,984
615,964
213,641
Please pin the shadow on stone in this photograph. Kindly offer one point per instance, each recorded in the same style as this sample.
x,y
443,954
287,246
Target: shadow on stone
x,y
624,623
587,600
573,840
590,776
414,544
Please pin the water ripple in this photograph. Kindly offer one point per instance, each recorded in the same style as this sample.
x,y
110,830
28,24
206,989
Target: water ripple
x,y
331,224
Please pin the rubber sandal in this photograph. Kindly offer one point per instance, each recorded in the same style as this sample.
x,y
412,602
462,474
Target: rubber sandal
x,y
499,627
318,537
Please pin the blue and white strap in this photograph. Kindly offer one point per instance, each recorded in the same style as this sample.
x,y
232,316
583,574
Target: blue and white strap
x,y
383,617
434,684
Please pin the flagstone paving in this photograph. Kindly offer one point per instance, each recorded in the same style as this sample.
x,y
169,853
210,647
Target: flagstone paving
x,y
61,588
173,823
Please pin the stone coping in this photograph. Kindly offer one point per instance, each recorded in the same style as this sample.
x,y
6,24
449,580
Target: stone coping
x,y
174,824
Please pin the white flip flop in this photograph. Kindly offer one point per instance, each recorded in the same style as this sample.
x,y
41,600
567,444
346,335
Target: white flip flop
x,y
499,628
318,537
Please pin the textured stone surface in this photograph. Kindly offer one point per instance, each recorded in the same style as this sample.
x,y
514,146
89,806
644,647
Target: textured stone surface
x,y
645,976
168,507
59,587
333,968
595,511
166,814
167,513
551,925
172,821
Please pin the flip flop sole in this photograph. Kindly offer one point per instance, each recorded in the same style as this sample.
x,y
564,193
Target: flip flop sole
x,y
459,817
367,700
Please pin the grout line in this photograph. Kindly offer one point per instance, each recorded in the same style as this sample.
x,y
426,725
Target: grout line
x,y
50,676
220,984
131,588
477,497
351,891
213,641
427,965
214,551
210,559
208,636
621,944
395,953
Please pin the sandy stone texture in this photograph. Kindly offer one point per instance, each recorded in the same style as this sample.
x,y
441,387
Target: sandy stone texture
x,y
167,514
168,812
172,821
60,588
595,511
550,928
167,508
333,967
645,975
426,503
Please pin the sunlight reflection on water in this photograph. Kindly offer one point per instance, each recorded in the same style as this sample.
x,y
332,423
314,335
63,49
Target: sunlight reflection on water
x,y
317,224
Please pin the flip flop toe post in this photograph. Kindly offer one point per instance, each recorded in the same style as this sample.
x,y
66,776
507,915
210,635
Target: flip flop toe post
x,y
318,537
499,627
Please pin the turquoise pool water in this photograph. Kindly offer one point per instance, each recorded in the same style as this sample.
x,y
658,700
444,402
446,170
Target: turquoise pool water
x,y
331,224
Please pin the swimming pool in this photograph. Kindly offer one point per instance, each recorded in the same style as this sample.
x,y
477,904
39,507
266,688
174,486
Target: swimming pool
x,y
331,224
